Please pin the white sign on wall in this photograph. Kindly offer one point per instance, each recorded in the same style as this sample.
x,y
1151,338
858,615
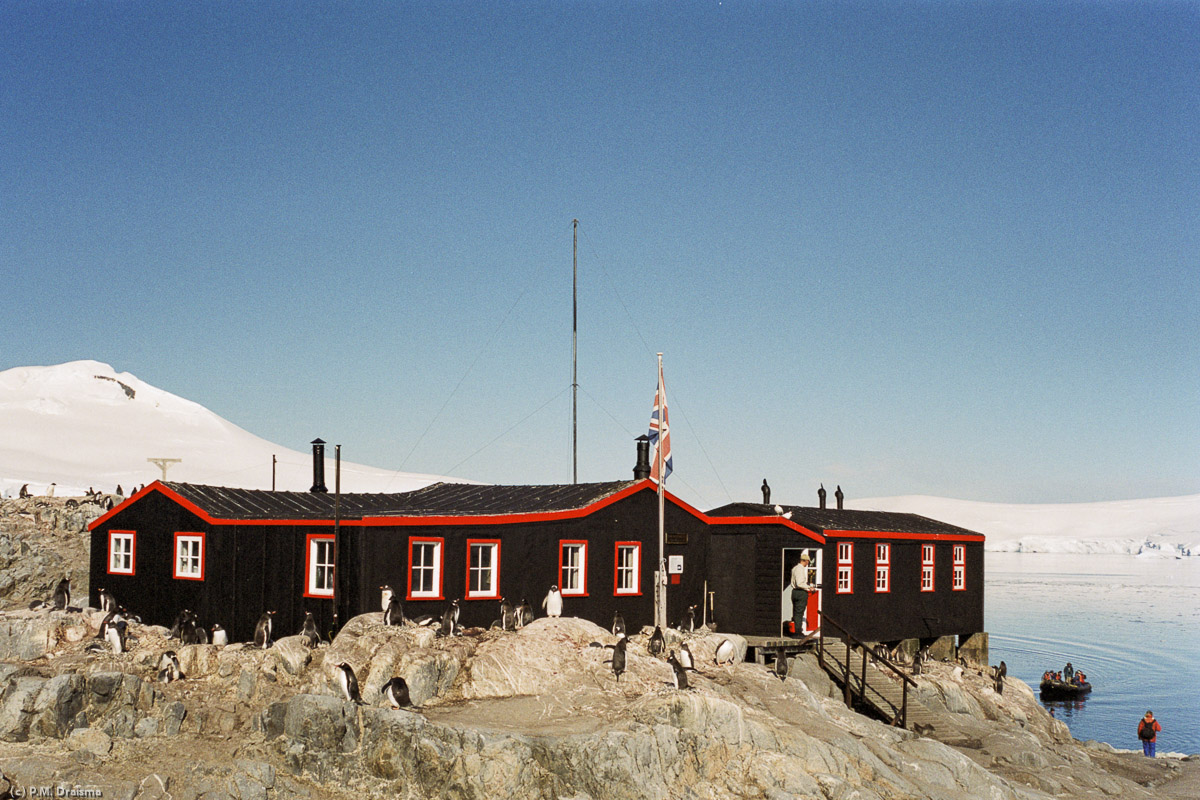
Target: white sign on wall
x,y
674,565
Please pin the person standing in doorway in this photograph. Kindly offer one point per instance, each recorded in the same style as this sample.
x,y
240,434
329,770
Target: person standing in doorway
x,y
801,587
1148,730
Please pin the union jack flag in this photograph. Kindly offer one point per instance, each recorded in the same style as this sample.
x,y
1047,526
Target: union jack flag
x,y
660,402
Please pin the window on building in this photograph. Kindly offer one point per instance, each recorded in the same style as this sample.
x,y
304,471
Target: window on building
x,y
319,566
629,565
572,568
883,567
425,569
189,556
483,569
960,568
926,568
845,567
121,552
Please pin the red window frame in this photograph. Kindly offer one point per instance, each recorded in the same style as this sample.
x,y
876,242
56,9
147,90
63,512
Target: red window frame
x,y
637,569
845,568
132,536
927,571
179,535
883,568
959,580
309,573
494,594
439,575
582,590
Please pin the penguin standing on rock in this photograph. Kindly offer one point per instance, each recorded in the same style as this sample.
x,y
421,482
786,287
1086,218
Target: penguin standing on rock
x,y
62,595
385,597
309,630
114,634
108,601
657,644
396,691
181,621
508,615
685,657
168,667
524,613
394,614
726,653
618,627
781,665
348,683
450,619
553,602
262,630
680,674
618,658
219,637
688,623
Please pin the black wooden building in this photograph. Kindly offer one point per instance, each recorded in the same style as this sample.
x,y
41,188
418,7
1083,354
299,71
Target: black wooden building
x,y
229,554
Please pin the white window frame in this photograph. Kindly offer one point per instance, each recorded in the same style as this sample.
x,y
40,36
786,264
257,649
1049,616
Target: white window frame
x,y
121,546
577,572
490,570
189,565
320,570
434,569
628,575
959,582
845,568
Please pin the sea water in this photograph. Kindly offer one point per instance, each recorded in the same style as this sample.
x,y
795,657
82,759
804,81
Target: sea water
x,y
1132,623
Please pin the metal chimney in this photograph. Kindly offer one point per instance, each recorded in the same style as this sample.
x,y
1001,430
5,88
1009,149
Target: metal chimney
x,y
821,495
641,470
839,497
318,466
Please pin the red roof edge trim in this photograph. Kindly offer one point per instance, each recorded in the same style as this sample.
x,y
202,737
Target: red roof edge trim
x,y
128,501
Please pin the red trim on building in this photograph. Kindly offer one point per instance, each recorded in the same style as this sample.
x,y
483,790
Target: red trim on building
x,y
582,590
495,593
175,568
441,567
308,554
637,570
132,553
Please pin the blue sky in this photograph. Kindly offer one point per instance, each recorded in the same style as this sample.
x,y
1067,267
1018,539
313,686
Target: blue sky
x,y
917,248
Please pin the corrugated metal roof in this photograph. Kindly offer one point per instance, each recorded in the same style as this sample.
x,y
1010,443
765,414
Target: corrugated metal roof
x,y
439,499
833,519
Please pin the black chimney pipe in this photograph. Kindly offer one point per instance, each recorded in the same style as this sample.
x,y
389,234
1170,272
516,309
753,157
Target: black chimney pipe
x,y
318,466
641,470
821,495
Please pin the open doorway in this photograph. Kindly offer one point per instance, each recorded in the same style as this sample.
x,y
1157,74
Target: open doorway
x,y
790,557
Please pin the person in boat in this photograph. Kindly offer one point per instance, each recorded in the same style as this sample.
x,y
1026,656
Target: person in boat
x,y
1148,730
1068,672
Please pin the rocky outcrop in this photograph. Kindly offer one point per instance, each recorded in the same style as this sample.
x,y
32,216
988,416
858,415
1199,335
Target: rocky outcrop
x,y
41,540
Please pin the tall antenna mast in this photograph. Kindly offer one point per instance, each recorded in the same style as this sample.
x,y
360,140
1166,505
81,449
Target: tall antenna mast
x,y
574,351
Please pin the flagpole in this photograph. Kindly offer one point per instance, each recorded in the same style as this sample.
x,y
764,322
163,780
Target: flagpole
x,y
660,590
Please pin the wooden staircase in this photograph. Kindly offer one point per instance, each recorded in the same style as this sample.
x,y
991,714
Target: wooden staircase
x,y
869,680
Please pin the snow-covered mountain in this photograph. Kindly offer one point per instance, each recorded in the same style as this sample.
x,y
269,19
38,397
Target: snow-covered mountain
x,y
1162,526
82,424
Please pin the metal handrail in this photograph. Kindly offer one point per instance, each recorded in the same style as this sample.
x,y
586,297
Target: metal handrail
x,y
853,643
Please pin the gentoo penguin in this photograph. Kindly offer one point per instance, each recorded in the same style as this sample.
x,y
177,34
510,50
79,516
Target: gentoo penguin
x,y
508,615
62,594
50,490
385,597
618,627
396,691
394,613
618,659
726,653
24,490
553,602
348,682
309,630
262,630
181,621
450,619
168,667
781,665
680,673
108,601
120,491
114,634
688,623
524,613
199,632
685,657
657,645
219,637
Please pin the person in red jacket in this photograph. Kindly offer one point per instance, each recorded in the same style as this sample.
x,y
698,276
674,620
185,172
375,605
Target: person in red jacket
x,y
1148,730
